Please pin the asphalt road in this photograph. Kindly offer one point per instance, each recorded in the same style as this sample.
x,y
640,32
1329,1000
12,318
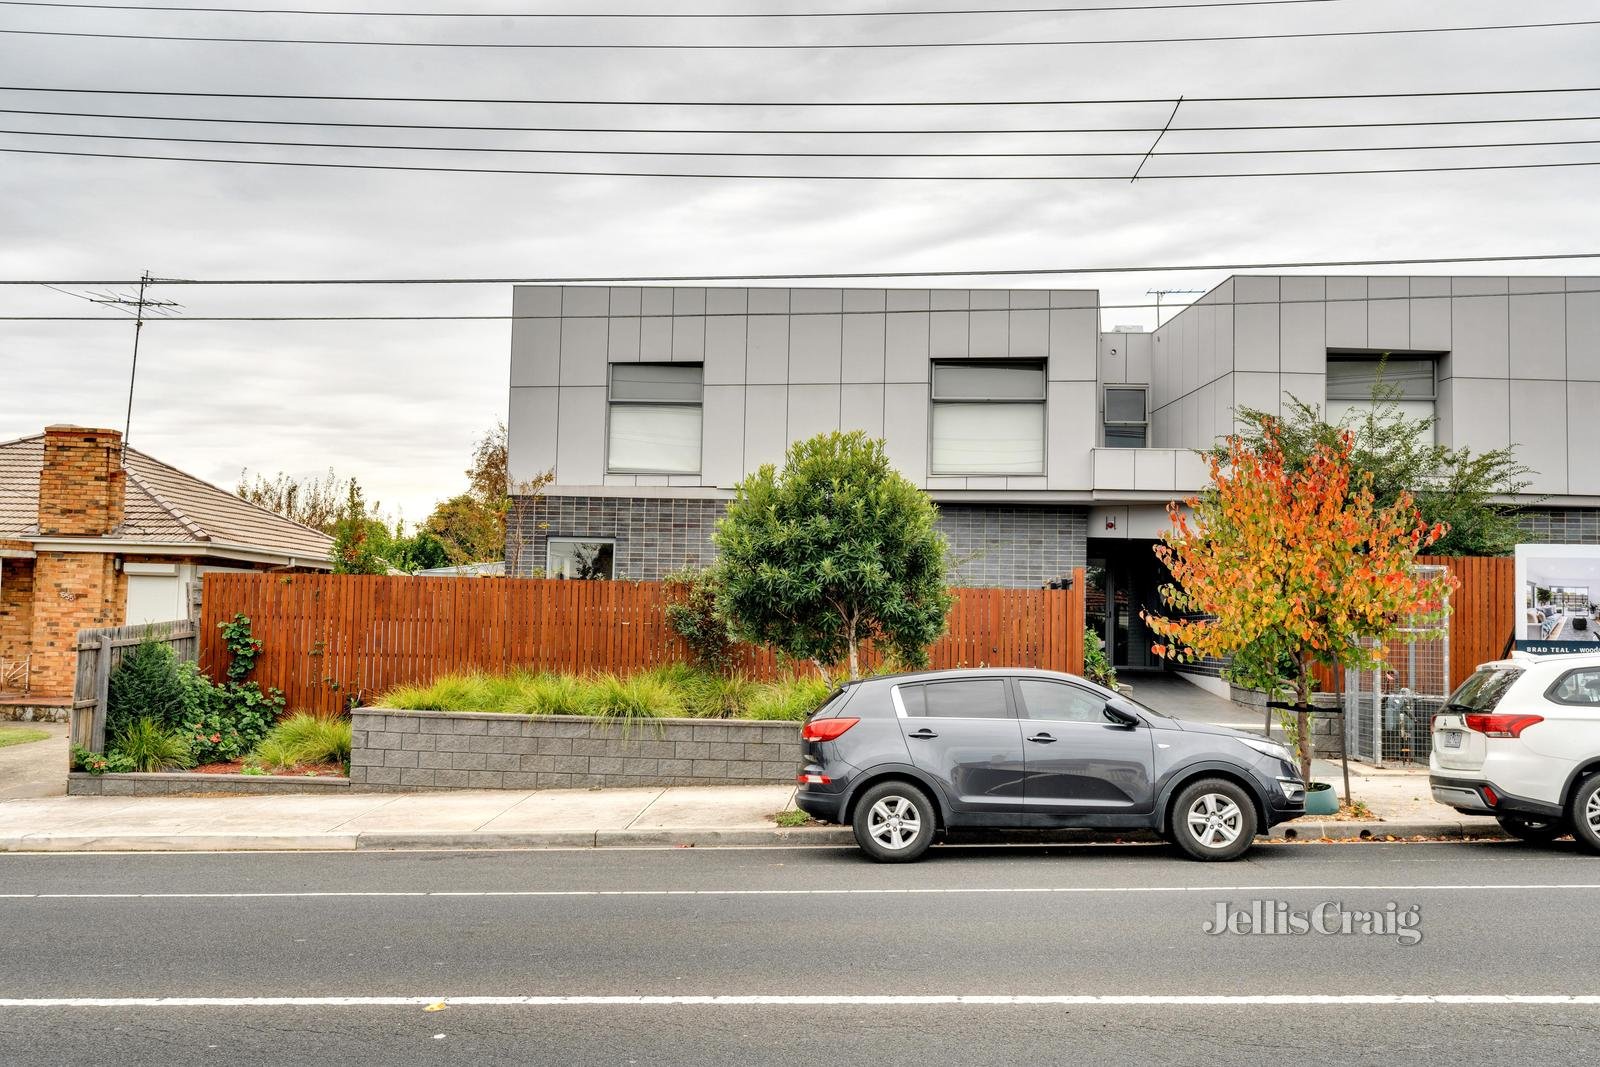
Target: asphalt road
x,y
284,948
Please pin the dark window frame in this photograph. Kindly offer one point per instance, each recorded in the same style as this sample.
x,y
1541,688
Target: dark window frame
x,y
921,708
1550,691
935,399
613,402
1022,700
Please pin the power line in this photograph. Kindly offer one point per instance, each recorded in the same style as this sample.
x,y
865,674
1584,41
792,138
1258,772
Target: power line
x,y
803,177
1013,272
745,130
658,46
729,154
1184,4
1088,101
500,317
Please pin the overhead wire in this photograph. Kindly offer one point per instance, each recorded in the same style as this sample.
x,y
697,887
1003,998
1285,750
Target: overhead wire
x,y
791,46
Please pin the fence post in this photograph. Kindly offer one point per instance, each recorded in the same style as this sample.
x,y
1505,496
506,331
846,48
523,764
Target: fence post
x,y
102,693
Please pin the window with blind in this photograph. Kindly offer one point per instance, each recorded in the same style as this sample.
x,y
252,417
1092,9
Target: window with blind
x,y
1353,381
1127,418
655,414
988,418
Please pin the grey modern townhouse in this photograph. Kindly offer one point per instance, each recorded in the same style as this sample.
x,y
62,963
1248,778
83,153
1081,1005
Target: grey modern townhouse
x,y
1047,441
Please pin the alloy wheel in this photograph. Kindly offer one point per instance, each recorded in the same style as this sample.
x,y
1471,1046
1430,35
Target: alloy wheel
x,y
1215,820
1591,811
894,822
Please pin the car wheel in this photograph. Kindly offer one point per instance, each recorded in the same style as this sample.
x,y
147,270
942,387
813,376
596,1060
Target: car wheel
x,y
894,822
1585,812
1214,819
1538,831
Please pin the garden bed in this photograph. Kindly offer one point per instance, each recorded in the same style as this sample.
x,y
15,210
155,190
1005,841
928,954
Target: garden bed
x,y
301,770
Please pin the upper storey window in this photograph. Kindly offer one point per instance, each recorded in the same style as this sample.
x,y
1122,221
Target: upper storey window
x,y
654,418
988,418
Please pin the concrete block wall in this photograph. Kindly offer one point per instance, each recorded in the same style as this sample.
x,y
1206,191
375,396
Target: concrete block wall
x,y
403,750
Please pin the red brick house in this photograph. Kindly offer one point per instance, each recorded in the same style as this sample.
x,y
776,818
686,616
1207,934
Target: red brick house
x,y
91,537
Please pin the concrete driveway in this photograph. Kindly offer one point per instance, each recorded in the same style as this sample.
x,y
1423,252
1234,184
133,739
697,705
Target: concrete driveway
x,y
35,769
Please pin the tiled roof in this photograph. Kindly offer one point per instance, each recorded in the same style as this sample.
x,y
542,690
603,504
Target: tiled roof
x,y
164,505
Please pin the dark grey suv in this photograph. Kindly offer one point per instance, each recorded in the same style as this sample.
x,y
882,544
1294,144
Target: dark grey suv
x,y
904,756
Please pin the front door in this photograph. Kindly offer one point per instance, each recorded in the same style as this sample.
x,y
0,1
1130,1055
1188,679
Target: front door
x,y
963,734
1076,760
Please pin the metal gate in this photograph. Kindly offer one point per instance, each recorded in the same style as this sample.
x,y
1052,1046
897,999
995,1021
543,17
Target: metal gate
x,y
1388,713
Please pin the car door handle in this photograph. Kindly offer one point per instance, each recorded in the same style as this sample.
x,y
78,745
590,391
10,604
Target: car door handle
x,y
923,734
1042,739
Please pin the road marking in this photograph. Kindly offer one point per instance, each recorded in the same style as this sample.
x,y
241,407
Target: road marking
x,y
823,892
801,1000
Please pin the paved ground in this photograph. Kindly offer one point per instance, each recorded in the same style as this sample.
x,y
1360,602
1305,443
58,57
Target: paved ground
x,y
545,817
37,769
365,943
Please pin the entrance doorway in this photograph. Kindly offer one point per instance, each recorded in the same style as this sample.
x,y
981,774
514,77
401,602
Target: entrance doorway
x,y
1121,579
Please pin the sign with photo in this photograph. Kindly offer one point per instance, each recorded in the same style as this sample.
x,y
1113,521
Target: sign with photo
x,y
1558,598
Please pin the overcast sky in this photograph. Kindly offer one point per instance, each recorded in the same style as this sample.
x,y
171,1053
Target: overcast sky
x,y
398,404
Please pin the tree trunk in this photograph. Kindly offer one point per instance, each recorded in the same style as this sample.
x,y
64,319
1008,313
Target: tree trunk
x,y
855,656
1302,697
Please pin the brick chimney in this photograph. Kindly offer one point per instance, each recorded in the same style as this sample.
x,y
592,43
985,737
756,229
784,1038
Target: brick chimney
x,y
82,488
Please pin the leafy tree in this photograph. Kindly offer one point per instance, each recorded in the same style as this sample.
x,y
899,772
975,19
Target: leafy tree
x,y
1451,487
317,502
1291,564
358,537
835,550
472,525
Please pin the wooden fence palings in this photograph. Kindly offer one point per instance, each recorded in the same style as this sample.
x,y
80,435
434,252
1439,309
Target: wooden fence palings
x,y
330,638
99,652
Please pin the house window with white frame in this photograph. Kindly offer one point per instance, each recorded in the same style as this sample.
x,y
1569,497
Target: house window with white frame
x,y
654,418
988,418
1126,416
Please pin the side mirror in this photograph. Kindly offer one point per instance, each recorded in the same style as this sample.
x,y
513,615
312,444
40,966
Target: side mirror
x,y
1116,715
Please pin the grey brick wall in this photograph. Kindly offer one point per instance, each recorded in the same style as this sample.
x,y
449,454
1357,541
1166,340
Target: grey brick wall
x,y
1562,526
400,750
1013,546
655,536
991,545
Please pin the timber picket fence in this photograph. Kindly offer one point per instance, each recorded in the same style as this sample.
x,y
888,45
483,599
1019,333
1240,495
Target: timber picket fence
x,y
331,641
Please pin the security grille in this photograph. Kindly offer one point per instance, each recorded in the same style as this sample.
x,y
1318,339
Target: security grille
x,y
1389,712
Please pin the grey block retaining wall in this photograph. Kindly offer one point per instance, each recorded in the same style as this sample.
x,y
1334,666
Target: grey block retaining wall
x,y
402,750
178,784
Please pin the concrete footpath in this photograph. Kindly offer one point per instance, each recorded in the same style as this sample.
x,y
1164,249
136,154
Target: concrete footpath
x,y
727,816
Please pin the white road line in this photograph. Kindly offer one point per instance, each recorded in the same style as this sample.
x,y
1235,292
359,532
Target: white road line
x,y
824,892
827,1000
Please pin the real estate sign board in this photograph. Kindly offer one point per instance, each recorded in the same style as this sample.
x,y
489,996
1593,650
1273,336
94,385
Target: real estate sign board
x,y
1558,598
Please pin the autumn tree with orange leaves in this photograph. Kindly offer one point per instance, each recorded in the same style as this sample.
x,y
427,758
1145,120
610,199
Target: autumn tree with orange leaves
x,y
1281,569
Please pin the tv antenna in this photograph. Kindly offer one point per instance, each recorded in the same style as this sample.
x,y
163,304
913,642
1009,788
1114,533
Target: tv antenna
x,y
135,306
1159,293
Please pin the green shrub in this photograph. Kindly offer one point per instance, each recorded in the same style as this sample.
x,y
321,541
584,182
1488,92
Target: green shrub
x,y
145,685
790,700
692,614
150,746
305,739
642,696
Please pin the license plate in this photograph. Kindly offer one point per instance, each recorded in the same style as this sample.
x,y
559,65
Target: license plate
x,y
1451,738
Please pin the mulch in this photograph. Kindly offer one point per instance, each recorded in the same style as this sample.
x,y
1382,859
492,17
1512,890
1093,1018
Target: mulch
x,y
318,770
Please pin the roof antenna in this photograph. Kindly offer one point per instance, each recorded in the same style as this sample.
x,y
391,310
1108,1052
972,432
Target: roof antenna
x,y
159,307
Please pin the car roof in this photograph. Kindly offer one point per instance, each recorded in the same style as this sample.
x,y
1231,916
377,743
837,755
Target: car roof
x,y
972,672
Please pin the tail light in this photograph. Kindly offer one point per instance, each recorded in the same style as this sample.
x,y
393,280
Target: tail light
x,y
826,729
1502,725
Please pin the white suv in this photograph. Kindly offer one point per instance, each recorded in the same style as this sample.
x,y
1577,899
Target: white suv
x,y
1520,740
